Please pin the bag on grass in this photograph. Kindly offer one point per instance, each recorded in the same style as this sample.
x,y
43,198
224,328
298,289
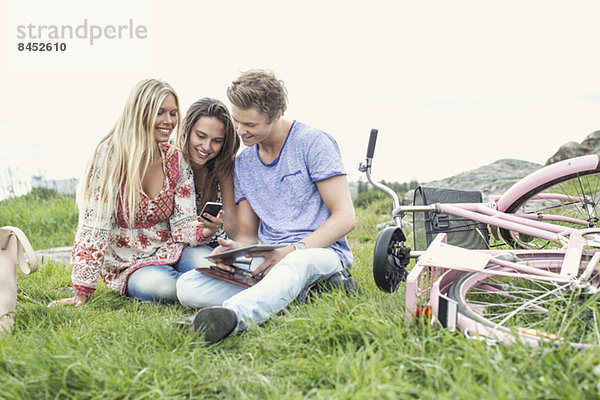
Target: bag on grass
x,y
14,246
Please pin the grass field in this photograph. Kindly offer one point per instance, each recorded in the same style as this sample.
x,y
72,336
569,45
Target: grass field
x,y
335,347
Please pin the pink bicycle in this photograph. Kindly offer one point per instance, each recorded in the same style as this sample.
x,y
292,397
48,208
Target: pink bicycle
x,y
545,291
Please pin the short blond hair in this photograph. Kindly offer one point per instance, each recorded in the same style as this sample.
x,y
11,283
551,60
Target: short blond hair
x,y
259,89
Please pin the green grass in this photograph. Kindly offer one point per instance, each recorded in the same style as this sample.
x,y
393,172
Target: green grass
x,y
48,219
335,347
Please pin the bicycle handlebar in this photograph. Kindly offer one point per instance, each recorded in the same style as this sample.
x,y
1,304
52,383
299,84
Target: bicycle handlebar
x,y
372,141
366,168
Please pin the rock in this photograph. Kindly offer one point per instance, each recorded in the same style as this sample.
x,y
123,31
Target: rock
x,y
60,254
589,145
568,150
494,178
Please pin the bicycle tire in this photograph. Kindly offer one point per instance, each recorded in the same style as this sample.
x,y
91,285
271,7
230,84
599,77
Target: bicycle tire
x,y
390,258
569,186
551,312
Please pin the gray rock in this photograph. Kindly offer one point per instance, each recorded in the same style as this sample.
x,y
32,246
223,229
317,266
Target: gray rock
x,y
494,178
589,145
567,150
59,254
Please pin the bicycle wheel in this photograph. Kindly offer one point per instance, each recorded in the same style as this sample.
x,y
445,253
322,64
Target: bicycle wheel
x,y
571,201
534,311
390,258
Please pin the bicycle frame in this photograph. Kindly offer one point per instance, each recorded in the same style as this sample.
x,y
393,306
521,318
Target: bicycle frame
x,y
441,264
493,213
481,212
549,173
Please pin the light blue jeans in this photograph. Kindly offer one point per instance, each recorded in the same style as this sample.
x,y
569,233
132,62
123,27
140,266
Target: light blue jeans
x,y
296,272
156,283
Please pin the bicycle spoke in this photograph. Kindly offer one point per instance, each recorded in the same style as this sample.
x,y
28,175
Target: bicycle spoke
x,y
597,333
570,201
538,310
548,208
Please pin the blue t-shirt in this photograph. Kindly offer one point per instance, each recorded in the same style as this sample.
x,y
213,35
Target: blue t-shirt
x,y
283,194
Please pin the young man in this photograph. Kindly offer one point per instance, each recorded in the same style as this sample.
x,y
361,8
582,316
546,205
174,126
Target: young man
x,y
291,188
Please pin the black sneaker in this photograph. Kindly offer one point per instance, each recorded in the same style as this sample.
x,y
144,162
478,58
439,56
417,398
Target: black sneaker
x,y
343,280
216,323
339,280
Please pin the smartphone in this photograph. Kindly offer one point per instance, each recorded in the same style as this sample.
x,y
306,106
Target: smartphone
x,y
211,208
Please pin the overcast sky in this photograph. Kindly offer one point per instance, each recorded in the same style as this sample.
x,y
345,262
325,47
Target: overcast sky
x,y
451,85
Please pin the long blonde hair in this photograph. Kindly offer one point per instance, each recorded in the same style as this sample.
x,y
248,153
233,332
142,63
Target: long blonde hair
x,y
120,160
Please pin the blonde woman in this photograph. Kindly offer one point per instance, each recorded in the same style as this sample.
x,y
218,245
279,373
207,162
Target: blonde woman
x,y
137,204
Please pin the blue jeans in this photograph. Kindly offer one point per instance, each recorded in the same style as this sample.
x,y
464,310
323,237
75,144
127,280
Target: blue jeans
x,y
296,272
157,283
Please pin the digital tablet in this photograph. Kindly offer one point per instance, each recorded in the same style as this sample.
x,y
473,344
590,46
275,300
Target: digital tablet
x,y
239,277
241,251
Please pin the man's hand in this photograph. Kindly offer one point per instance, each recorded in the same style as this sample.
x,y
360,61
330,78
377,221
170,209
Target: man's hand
x,y
272,257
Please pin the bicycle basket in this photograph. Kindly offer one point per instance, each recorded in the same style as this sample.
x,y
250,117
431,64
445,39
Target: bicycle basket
x,y
461,232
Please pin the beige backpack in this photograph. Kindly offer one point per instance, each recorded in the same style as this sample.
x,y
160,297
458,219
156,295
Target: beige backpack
x,y
14,245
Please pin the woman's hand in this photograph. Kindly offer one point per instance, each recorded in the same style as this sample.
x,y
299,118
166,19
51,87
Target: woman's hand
x,y
78,300
211,224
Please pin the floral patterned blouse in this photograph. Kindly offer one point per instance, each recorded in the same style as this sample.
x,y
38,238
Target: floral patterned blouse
x,y
163,226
